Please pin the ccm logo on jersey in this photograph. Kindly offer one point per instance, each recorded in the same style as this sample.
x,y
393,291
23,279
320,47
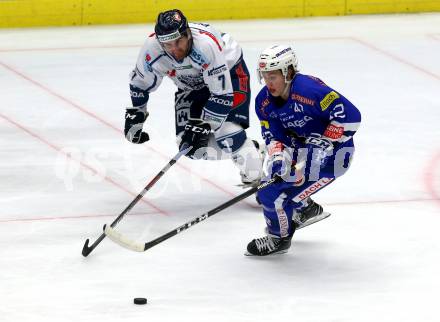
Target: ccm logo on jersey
x,y
221,101
328,99
312,189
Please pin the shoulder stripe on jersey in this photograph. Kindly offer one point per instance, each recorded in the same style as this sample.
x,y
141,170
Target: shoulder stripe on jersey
x,y
139,72
210,35
154,83
156,59
351,126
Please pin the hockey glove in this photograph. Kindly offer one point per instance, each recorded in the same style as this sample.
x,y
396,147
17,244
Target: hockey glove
x,y
320,148
196,135
134,121
279,161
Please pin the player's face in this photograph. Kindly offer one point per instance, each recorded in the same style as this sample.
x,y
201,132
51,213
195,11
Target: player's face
x,y
275,82
177,48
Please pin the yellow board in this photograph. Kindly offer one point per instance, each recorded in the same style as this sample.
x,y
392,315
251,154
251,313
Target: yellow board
x,y
29,13
391,6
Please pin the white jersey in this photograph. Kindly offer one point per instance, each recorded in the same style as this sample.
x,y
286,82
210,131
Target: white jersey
x,y
208,63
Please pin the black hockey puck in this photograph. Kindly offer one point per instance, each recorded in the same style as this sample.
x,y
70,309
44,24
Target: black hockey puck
x,y
140,300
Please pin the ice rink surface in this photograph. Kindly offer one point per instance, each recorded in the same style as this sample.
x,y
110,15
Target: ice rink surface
x,y
66,169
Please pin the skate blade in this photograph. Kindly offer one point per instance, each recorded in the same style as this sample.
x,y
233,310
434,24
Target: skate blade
x,y
274,253
314,220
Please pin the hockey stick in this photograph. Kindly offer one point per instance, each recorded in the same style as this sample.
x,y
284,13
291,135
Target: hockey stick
x,y
88,249
141,247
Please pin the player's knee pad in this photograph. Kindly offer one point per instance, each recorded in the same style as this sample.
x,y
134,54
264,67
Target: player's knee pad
x,y
230,137
249,160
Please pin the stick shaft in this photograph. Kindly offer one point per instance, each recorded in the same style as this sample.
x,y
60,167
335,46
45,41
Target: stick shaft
x,y
88,249
137,246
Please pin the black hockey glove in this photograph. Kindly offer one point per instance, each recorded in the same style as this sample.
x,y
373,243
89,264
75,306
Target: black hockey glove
x,y
134,121
196,135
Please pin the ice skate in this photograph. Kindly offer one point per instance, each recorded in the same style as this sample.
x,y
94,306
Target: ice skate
x,y
268,245
309,215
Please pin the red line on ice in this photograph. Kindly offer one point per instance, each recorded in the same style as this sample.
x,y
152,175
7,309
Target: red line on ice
x,y
59,150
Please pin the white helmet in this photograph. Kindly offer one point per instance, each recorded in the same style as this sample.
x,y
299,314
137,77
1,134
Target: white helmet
x,y
277,57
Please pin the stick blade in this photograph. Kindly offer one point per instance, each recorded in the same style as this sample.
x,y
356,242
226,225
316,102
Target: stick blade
x,y
86,249
123,241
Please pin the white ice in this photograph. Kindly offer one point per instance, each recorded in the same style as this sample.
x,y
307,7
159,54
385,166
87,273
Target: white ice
x,y
65,170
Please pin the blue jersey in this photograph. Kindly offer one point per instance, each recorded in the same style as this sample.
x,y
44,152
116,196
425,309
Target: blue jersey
x,y
312,109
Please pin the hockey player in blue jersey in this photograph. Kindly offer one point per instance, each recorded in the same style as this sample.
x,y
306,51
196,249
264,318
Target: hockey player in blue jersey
x,y
308,128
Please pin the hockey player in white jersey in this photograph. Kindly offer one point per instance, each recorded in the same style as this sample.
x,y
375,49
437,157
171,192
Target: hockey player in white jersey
x,y
213,91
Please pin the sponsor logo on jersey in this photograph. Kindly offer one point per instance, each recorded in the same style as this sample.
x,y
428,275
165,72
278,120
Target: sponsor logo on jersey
x,y
191,81
171,73
334,132
312,189
198,58
212,118
265,102
296,123
136,94
328,99
147,57
179,67
303,99
217,70
284,223
265,124
221,101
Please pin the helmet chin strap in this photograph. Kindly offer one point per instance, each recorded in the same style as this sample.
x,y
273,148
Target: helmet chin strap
x,y
285,93
286,90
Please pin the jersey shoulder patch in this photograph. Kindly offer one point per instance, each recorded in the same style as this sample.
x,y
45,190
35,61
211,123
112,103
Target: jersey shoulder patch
x,y
328,100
